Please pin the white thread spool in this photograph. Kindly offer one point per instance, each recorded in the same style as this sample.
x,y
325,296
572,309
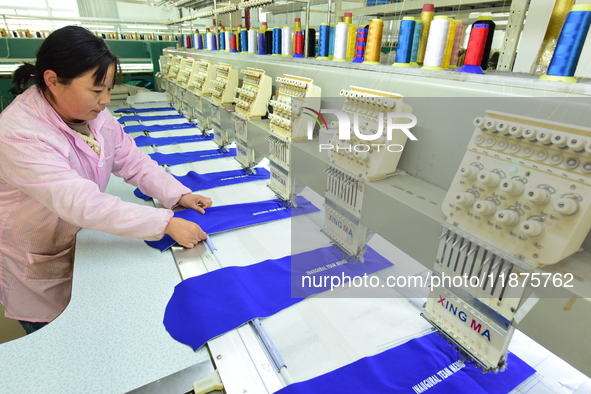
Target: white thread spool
x,y
286,41
210,41
252,41
227,39
436,42
340,43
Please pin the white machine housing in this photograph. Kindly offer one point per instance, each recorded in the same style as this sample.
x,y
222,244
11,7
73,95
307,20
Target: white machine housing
x,y
254,94
294,93
349,169
288,125
520,200
223,90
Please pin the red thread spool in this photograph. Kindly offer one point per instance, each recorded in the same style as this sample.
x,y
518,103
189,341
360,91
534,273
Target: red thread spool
x,y
299,43
233,42
476,44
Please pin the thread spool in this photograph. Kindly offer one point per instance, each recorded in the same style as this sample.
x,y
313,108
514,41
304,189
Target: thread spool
x,y
214,44
373,48
331,40
276,41
405,36
416,41
223,40
451,34
311,42
269,42
487,19
286,41
570,44
453,61
475,49
340,45
557,18
209,37
297,26
233,43
262,47
360,45
252,41
264,27
227,40
323,41
436,43
243,41
426,18
351,41
238,30
299,44
196,41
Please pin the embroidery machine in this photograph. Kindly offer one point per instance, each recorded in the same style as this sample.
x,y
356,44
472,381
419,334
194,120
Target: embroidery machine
x,y
421,202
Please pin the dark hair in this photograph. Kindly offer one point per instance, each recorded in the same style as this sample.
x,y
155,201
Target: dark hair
x,y
70,51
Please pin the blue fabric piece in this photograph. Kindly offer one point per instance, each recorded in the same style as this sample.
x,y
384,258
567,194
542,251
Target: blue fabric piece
x,y
138,128
400,369
230,217
197,182
206,306
143,140
172,159
138,110
129,118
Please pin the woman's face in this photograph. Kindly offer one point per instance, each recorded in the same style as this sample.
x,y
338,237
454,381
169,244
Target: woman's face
x,y
81,99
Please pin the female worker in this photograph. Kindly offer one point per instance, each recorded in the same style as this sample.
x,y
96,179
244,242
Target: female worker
x,y
58,147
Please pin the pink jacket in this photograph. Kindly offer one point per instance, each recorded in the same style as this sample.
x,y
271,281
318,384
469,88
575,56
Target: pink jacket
x,y
51,185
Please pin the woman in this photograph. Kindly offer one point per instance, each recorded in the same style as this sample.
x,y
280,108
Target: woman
x,y
58,147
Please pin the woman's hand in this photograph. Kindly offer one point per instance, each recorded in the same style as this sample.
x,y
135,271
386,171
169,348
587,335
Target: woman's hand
x,y
185,233
195,201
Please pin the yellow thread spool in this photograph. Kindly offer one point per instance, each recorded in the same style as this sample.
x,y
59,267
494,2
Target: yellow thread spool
x,y
451,33
373,47
351,37
351,41
426,18
559,13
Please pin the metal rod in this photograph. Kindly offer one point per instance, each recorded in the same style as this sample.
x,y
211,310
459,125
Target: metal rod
x,y
329,12
307,31
274,355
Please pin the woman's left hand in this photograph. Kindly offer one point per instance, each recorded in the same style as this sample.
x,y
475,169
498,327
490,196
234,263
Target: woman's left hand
x,y
195,201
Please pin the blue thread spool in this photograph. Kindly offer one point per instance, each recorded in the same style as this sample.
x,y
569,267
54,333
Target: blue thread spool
x,y
243,40
360,45
222,40
199,41
404,48
570,44
323,41
416,41
261,39
331,40
276,41
214,46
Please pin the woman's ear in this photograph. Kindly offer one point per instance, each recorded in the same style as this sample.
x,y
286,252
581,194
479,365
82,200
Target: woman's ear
x,y
51,80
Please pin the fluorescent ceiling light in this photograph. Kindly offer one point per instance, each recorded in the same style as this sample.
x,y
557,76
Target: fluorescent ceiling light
x,y
99,26
146,27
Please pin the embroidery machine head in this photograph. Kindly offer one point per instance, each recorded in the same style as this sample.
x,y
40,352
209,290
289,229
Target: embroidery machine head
x,y
515,205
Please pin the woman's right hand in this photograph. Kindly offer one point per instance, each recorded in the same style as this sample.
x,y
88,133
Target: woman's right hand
x,y
185,233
